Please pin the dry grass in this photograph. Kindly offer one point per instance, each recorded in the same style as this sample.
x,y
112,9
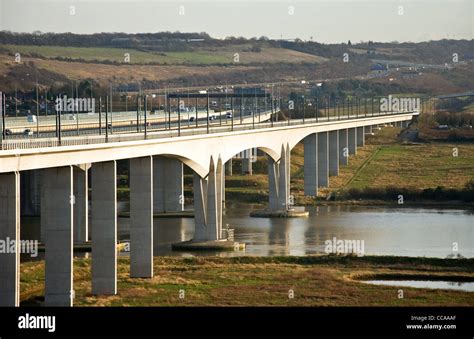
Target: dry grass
x,y
266,282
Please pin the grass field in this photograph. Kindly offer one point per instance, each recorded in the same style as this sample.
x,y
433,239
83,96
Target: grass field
x,y
121,73
266,281
200,57
415,166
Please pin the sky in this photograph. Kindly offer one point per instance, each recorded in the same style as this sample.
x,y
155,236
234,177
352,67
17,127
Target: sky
x,y
327,21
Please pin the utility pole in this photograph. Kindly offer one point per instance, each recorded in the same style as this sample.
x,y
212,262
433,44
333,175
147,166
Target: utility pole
x,y
3,120
138,112
144,116
37,110
16,101
46,102
107,118
59,124
77,109
100,115
111,108
179,116
207,112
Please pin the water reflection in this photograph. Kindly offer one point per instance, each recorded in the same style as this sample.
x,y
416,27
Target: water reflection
x,y
446,285
386,231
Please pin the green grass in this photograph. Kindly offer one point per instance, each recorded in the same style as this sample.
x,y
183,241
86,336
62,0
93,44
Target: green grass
x,y
418,166
117,54
326,280
198,57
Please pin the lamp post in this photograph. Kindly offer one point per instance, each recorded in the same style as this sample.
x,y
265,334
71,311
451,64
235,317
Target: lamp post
x,y
153,96
302,97
144,116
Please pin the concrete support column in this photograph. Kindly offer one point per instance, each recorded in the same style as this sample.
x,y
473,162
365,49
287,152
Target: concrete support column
x,y
279,181
81,205
343,147
223,186
167,185
283,179
368,129
58,221
273,175
104,228
200,207
360,136
30,188
334,153
323,159
141,217
311,165
352,137
10,229
214,200
208,203
247,162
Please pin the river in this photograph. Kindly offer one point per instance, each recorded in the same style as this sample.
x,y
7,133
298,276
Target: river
x,y
415,232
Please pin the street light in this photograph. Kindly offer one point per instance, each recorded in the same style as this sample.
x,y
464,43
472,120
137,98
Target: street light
x,y
302,97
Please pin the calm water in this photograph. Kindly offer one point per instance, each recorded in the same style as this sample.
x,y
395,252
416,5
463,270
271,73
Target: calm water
x,y
446,285
385,231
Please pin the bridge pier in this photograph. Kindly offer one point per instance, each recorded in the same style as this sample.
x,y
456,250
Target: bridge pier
x,y
167,185
247,162
278,180
141,217
334,153
10,228
208,204
30,188
311,165
81,206
368,129
104,228
352,136
58,219
360,136
80,203
323,159
280,201
343,147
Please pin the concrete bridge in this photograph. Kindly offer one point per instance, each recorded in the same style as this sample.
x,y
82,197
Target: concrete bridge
x,y
156,165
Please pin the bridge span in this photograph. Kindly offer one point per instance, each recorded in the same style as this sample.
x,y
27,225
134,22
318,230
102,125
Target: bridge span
x,y
155,173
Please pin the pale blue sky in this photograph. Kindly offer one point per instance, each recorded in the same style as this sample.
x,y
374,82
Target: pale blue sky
x,y
324,20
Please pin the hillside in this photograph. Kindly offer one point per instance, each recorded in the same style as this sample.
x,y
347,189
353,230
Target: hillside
x,y
166,59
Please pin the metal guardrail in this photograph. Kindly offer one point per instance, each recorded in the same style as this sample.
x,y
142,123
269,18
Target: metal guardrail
x,y
33,143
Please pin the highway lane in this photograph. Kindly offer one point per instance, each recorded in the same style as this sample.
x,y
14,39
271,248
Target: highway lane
x,y
126,123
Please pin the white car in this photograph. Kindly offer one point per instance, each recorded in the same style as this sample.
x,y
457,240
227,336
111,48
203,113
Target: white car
x,y
28,132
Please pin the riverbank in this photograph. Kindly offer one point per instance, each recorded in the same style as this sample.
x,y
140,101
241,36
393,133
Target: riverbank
x,y
323,280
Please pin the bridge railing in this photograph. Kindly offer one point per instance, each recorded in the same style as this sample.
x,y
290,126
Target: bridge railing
x,y
263,120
